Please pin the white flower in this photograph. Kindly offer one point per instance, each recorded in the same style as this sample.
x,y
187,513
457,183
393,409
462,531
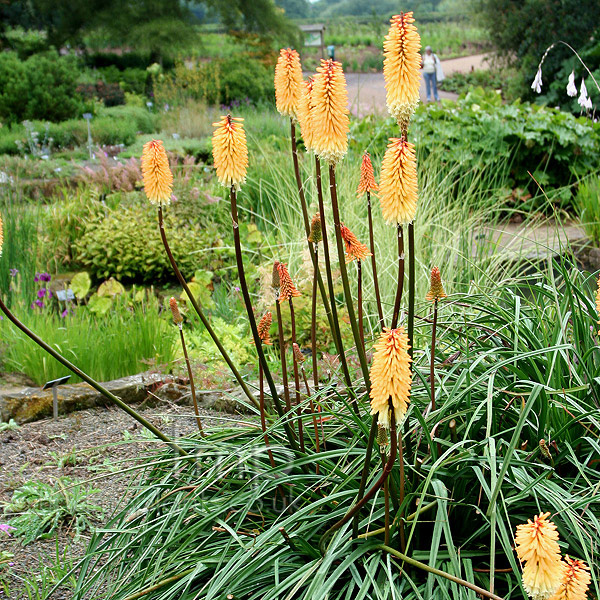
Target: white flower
x,y
584,100
571,87
536,86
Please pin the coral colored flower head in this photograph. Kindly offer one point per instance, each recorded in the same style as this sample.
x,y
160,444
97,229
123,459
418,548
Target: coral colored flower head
x,y
436,289
316,233
298,356
354,248
288,82
287,289
537,546
576,580
367,182
401,68
304,113
230,152
391,377
158,179
329,115
398,186
177,318
263,328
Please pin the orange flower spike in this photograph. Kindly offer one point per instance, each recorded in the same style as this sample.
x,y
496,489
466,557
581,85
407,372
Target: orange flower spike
x,y
287,289
230,153
536,543
329,116
367,177
354,248
391,376
401,68
263,328
576,581
156,173
288,83
436,289
398,186
316,232
305,107
177,318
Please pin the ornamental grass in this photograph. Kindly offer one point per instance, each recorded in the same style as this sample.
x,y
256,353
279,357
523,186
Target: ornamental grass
x,y
397,461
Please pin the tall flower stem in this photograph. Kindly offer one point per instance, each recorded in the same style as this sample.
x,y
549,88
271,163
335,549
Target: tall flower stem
x,y
263,417
432,361
419,565
400,286
365,472
313,324
336,326
200,312
284,375
191,378
374,262
411,288
401,494
61,359
360,348
359,302
387,469
296,377
252,320
314,416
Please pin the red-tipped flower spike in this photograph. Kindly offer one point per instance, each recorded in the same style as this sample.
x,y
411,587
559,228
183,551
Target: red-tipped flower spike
x,y
367,177
263,328
288,82
158,179
329,116
354,248
287,289
398,185
401,68
436,289
576,581
230,153
390,376
177,318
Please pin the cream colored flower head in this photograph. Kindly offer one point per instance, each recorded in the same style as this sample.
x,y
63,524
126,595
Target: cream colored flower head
x,y
158,179
230,153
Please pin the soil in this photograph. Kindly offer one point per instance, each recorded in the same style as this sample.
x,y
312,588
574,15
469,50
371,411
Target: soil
x,y
94,445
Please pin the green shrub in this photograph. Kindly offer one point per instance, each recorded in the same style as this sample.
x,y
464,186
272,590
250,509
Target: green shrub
x,y
125,244
587,206
42,87
246,80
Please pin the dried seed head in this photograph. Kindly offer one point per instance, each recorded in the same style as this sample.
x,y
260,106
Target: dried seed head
x,y
390,376
156,173
298,356
398,185
544,449
276,281
287,289
263,328
576,580
316,234
177,318
536,543
367,176
329,115
382,436
230,152
354,248
288,82
305,107
436,289
401,68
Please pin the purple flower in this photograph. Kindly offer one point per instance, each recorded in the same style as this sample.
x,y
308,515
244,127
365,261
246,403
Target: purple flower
x,y
41,293
64,313
42,277
7,528
38,303
13,272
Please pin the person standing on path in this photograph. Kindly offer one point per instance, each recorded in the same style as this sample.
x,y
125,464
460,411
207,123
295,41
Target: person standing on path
x,y
432,72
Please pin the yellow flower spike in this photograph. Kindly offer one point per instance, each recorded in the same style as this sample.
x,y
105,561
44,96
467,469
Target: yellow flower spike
x,y
390,376
288,82
329,115
263,328
537,546
354,248
367,177
287,289
401,66
398,185
436,289
158,179
230,153
305,106
576,580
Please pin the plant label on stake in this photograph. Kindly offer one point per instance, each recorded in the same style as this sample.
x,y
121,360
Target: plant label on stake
x,y
54,385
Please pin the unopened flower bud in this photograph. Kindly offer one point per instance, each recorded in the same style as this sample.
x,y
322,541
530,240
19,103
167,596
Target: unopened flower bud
x,y
316,234
436,289
177,318
298,356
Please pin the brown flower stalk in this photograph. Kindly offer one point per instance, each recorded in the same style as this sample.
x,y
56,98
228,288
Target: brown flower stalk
x,y
265,338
